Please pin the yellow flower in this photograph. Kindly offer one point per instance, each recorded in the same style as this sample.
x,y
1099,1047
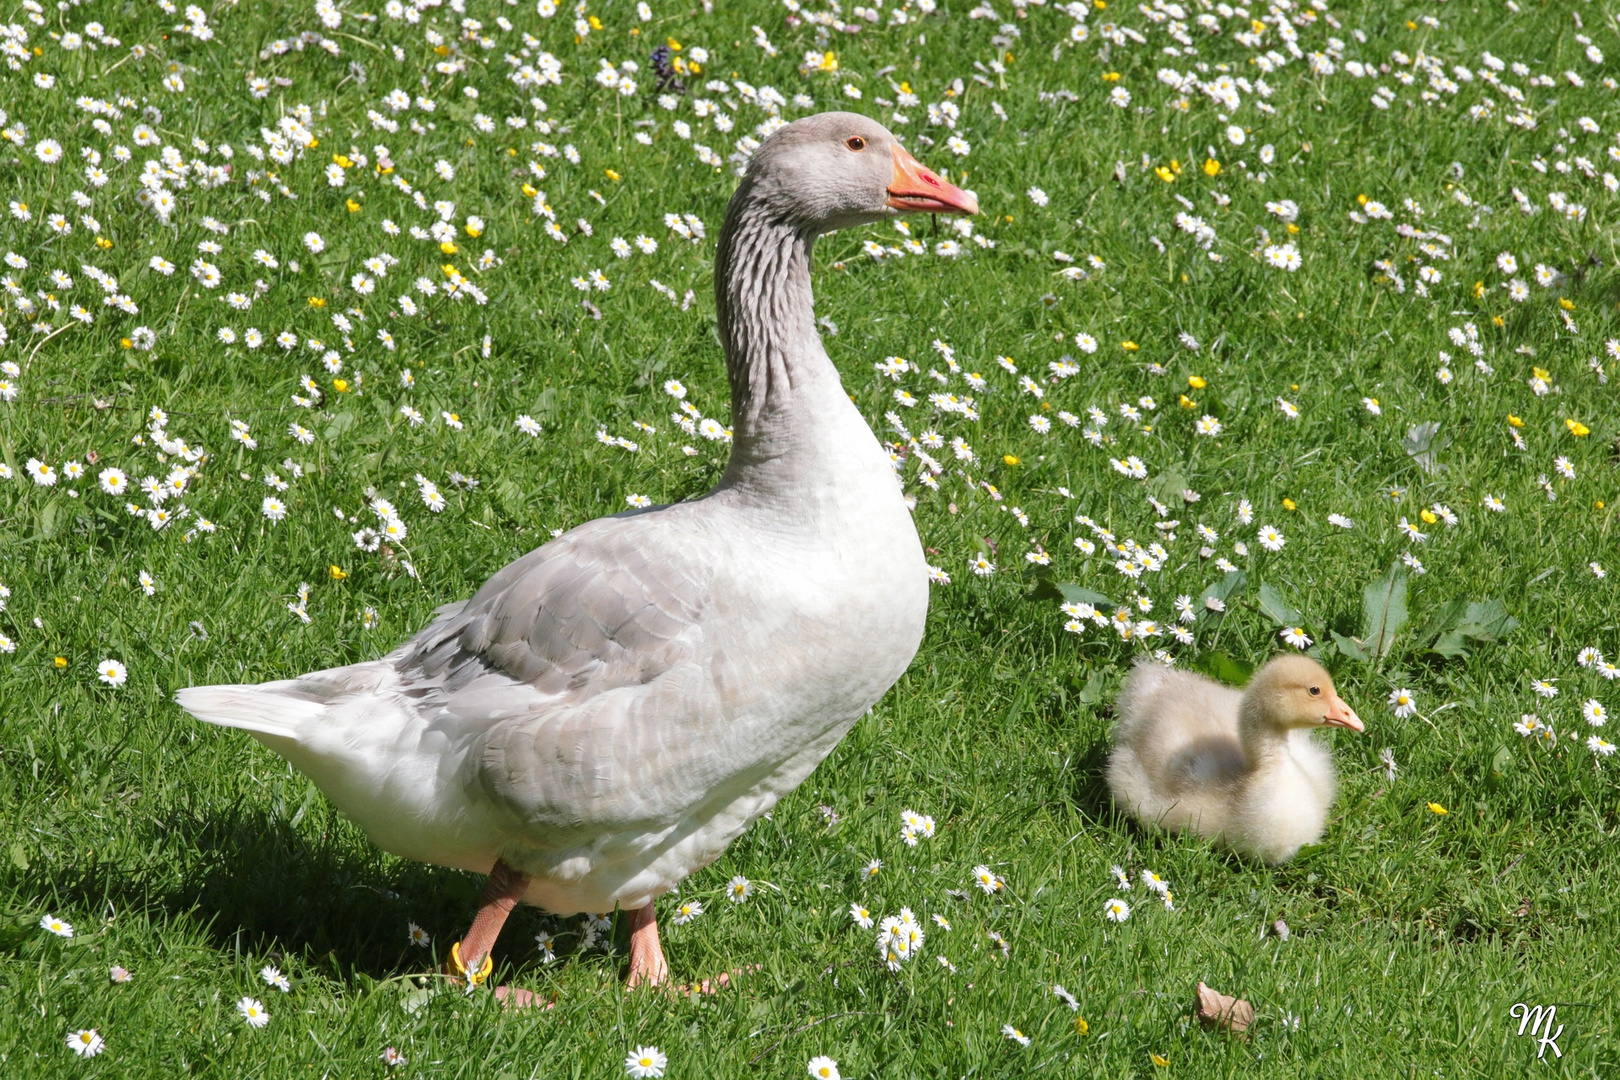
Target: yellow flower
x,y
103,243
1163,173
1292,229
1541,373
1479,290
448,248
1436,808
611,175
1110,76
125,343
316,302
337,572
529,191
60,661
1081,1027
352,205
1010,459
1497,320
1161,1062
1428,517
1196,382
1515,421
596,24
1361,200
1577,429
1289,504
828,61
674,45
343,160
1129,346
1212,167
450,271
1188,403
341,385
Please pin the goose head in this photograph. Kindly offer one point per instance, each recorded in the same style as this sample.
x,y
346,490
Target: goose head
x,y
1296,692
838,169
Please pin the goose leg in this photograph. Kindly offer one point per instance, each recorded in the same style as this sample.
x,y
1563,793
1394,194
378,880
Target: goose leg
x,y
502,892
647,963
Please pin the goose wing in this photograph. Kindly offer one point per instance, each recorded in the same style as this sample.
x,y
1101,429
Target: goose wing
x,y
584,675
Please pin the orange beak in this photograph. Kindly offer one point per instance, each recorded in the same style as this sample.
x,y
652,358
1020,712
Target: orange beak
x,y
1341,715
916,188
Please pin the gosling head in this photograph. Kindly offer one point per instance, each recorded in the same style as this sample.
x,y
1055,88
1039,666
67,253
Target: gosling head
x,y
838,169
1297,692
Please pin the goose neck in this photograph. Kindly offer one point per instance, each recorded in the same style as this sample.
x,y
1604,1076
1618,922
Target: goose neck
x,y
766,316
1263,741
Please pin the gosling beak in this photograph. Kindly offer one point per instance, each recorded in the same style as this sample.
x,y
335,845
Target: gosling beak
x,y
1341,715
917,188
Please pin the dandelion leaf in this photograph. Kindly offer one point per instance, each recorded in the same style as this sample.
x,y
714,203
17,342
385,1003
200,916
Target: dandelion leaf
x,y
1079,594
1219,590
1422,443
1275,608
1350,647
1383,611
1223,668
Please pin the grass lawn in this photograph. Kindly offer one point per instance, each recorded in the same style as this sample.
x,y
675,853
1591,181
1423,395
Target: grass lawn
x,y
1312,298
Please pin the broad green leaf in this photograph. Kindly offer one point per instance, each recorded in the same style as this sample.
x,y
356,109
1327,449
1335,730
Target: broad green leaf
x,y
1350,647
1092,692
1275,608
1487,620
1221,667
1220,590
1079,594
1168,485
1501,767
1423,443
1383,610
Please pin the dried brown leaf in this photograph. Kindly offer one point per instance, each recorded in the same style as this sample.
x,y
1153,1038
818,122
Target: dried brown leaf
x,y
1217,1010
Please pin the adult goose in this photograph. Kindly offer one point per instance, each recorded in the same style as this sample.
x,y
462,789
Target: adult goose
x,y
1239,767
611,710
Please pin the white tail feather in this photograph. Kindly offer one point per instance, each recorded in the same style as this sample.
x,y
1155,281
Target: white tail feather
x,y
261,709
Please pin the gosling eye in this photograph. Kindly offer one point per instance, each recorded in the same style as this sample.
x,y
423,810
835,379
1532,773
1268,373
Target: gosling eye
x,y
856,143
1316,691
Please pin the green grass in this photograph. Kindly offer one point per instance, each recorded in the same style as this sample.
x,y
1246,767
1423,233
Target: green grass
x,y
192,856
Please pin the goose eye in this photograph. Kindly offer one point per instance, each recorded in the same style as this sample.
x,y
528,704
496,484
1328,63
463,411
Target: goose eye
x,y
1316,691
855,142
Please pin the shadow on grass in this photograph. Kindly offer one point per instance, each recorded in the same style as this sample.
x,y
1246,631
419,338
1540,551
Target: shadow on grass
x,y
256,884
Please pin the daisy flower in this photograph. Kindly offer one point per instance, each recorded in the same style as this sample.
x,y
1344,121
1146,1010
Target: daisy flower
x,y
739,889
112,673
1401,701
51,924
86,1043
645,1061
252,1010
823,1067
1117,910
